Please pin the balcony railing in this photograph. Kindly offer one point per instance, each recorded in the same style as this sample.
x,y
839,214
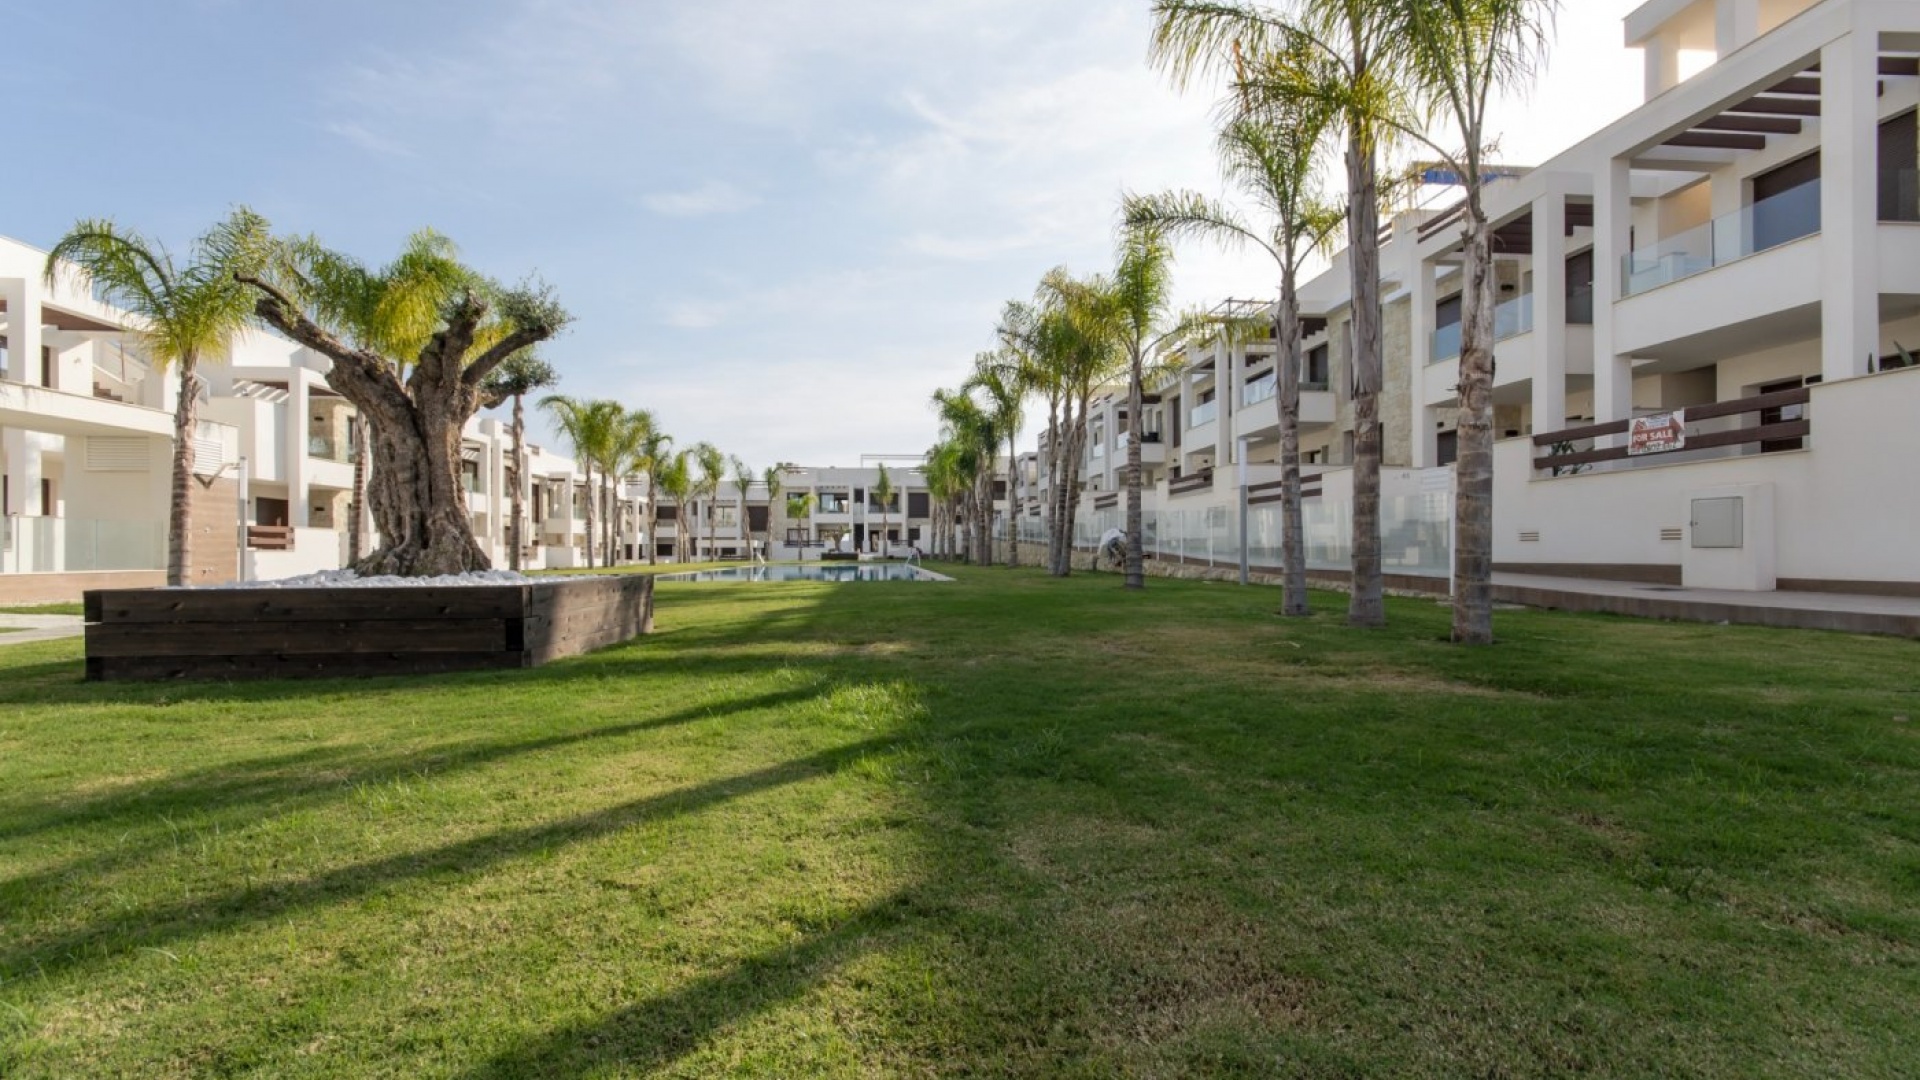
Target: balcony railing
x,y
1261,389
1201,415
33,544
1572,450
1776,220
325,448
1510,319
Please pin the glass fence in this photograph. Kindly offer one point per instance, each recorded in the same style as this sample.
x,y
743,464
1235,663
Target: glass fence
x,y
1772,221
1510,319
1260,389
51,545
1414,531
1203,414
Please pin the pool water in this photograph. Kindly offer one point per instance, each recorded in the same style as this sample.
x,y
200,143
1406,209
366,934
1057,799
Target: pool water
x,y
817,571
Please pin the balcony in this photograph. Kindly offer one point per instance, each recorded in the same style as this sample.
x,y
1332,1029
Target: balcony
x,y
1510,319
1204,414
1750,230
326,449
1260,389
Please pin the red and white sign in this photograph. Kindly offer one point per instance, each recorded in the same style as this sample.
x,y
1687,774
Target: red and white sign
x,y
1657,434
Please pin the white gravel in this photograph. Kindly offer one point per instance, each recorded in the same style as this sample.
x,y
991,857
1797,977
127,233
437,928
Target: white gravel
x,y
347,579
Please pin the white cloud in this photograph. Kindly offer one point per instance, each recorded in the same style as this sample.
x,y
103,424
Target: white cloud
x,y
712,197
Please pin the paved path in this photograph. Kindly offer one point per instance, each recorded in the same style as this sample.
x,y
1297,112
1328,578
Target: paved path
x,y
19,629
1851,612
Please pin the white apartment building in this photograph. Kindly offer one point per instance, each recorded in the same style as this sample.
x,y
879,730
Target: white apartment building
x,y
1699,372
845,514
86,436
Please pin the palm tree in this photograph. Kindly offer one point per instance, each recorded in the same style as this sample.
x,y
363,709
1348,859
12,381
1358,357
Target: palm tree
x,y
1001,380
649,457
624,445
743,478
1136,310
674,477
800,508
1270,157
515,378
774,480
882,493
1080,340
713,470
1342,53
1459,55
412,345
185,314
971,441
590,426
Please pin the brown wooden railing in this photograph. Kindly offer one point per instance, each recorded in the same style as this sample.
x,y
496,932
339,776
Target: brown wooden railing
x,y
1787,429
1106,502
1187,485
1270,492
270,537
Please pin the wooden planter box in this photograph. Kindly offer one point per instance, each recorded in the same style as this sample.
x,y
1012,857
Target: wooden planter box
x,y
156,634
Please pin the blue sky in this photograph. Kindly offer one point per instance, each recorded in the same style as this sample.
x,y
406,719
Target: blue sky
x,y
780,225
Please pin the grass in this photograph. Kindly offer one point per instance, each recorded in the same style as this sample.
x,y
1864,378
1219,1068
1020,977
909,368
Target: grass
x,y
1007,826
41,609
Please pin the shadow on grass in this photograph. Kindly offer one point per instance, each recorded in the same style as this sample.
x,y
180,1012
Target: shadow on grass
x,y
155,925
658,1032
285,780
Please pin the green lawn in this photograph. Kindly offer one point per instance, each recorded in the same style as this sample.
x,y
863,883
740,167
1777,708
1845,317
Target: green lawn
x,y
41,609
1004,826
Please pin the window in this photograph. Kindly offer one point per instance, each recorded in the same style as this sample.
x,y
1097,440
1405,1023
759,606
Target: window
x,y
1580,288
1446,448
1785,207
1318,376
1900,168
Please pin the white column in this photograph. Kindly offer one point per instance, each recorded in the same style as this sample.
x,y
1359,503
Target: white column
x,y
1550,312
1662,58
1612,224
1735,22
1421,453
23,329
1226,380
294,448
1849,205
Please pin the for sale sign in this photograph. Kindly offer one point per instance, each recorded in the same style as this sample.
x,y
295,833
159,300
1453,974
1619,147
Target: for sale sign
x,y
1657,434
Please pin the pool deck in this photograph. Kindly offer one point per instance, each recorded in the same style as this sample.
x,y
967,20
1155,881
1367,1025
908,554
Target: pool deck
x,y
20,629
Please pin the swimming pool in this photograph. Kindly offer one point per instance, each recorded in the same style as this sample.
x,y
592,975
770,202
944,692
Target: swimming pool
x,y
814,571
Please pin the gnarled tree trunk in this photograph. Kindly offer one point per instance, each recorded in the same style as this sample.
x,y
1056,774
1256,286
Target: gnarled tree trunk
x,y
415,493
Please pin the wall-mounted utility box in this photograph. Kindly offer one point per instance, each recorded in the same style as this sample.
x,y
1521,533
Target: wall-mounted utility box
x,y
1730,541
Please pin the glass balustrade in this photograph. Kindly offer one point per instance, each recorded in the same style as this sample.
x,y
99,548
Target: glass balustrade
x,y
1510,319
1260,389
1202,415
1776,220
49,545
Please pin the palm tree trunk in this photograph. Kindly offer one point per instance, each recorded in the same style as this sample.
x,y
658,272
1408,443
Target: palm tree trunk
x,y
1293,541
1367,604
653,518
1473,471
515,541
356,524
590,515
1013,519
180,499
1136,529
